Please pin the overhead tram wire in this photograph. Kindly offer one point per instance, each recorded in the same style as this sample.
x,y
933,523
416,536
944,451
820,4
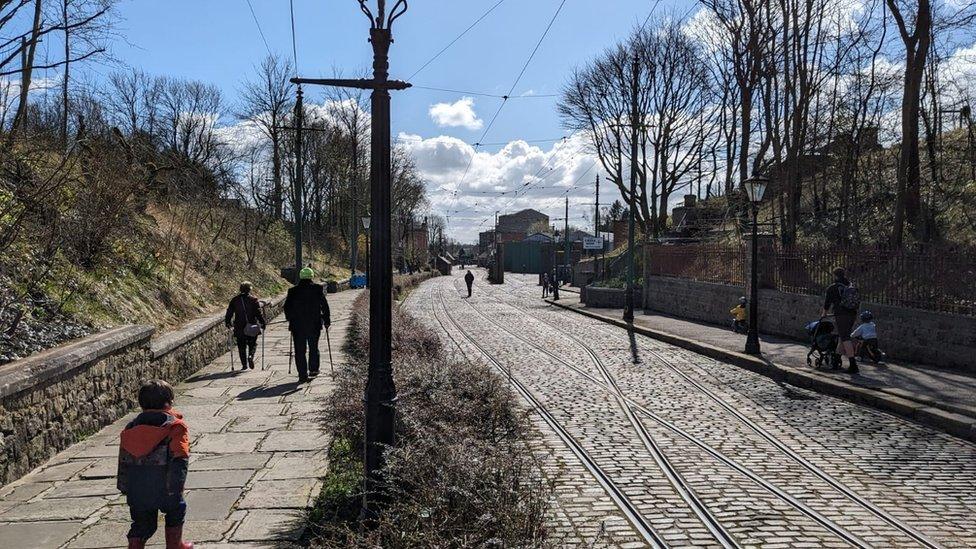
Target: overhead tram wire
x,y
518,79
458,37
258,25
485,94
525,186
294,41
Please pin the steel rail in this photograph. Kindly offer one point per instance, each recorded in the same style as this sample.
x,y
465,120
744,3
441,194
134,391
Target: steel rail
x,y
745,471
789,452
620,499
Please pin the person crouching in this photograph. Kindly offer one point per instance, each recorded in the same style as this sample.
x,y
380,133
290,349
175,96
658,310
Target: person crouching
x,y
154,456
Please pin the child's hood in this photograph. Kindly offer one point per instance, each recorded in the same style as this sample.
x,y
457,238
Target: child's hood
x,y
149,429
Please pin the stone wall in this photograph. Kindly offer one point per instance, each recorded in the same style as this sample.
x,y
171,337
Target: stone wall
x,y
53,399
913,335
605,298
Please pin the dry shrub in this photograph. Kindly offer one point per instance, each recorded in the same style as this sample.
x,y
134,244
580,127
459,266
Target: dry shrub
x,y
461,474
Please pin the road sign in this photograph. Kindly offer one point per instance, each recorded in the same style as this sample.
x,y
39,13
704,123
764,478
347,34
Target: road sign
x,y
592,242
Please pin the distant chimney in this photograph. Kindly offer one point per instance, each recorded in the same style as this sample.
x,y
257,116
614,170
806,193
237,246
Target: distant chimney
x,y
690,200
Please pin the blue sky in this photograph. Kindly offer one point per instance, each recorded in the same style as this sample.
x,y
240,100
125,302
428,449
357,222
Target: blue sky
x,y
218,42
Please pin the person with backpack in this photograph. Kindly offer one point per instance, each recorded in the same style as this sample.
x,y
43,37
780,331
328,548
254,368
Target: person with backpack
x,y
842,298
244,313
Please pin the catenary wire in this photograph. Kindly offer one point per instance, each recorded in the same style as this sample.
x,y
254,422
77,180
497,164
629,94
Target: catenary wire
x,y
458,37
258,25
498,111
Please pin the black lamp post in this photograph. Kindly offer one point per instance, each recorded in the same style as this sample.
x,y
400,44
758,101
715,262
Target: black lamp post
x,y
366,227
380,390
754,187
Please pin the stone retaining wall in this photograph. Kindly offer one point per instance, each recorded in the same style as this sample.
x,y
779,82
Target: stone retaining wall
x,y
605,298
51,400
913,335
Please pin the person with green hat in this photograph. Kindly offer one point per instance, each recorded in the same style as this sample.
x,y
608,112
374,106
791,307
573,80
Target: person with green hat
x,y
307,310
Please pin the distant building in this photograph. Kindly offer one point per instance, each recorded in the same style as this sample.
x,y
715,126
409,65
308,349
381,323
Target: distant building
x,y
522,222
538,237
512,228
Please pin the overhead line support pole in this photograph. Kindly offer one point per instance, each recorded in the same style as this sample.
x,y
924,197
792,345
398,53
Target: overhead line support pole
x,y
380,393
634,114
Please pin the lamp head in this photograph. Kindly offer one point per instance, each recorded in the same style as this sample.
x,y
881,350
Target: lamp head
x,y
755,187
366,221
378,19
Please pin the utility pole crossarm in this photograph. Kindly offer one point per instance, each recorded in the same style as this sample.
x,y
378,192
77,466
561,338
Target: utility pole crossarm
x,y
358,83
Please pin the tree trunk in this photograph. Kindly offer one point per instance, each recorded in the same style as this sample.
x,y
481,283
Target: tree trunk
x,y
277,199
908,198
29,47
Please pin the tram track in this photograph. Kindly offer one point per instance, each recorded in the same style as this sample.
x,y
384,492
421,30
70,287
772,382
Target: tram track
x,y
626,506
853,496
609,384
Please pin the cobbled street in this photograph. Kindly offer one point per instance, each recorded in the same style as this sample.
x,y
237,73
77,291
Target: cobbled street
x,y
652,445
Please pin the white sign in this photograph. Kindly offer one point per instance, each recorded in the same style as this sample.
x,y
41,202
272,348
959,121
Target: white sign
x,y
592,242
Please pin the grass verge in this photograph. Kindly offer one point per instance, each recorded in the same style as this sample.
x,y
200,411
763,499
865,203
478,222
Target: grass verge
x,y
462,473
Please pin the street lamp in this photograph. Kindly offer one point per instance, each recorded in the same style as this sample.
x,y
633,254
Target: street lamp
x,y
366,227
380,401
754,187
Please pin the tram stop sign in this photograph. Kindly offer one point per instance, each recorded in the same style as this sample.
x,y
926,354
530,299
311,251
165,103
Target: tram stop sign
x,y
592,242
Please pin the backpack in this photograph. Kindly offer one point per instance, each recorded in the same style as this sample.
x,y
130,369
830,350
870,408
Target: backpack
x,y
850,298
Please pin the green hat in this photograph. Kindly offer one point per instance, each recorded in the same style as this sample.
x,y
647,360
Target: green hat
x,y
306,274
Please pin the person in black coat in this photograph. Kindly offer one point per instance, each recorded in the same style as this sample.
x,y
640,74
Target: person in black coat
x,y
469,280
841,299
242,310
306,310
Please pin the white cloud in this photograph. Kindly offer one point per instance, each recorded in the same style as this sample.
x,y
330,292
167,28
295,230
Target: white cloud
x,y
542,177
458,114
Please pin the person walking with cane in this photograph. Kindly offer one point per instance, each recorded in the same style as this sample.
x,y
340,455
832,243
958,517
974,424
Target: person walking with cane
x,y
244,313
307,311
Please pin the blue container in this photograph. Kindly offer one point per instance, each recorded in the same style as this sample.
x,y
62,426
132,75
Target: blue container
x,y
357,281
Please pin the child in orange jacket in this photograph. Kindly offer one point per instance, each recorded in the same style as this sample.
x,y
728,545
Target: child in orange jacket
x,y
154,456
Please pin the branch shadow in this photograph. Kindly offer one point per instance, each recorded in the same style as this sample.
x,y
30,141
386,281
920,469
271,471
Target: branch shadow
x,y
265,391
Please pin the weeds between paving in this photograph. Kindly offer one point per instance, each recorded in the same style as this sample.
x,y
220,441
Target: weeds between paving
x,y
461,474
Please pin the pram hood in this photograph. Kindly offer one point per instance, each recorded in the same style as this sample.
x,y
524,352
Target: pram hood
x,y
820,327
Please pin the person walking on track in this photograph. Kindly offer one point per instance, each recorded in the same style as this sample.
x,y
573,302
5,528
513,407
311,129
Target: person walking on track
x,y
244,313
554,286
307,311
469,281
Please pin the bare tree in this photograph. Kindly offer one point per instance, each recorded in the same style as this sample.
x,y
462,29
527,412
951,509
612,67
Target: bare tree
x,y
267,102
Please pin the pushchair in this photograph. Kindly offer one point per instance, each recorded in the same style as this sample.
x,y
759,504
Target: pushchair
x,y
823,343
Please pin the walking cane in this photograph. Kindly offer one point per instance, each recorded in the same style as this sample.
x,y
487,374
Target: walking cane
x,y
329,341
289,354
263,314
230,347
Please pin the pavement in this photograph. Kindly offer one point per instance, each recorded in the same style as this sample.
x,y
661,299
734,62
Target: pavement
x,y
258,454
941,398
649,443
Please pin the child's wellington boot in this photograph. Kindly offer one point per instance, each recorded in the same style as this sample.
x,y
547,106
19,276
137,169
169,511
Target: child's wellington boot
x,y
174,538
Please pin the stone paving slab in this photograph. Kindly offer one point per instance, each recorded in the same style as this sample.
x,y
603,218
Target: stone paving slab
x,y
257,456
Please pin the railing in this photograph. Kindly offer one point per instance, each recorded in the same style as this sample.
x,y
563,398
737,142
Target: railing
x,y
931,278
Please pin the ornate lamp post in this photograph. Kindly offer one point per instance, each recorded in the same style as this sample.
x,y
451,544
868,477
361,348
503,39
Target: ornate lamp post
x,y
380,390
754,187
366,220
